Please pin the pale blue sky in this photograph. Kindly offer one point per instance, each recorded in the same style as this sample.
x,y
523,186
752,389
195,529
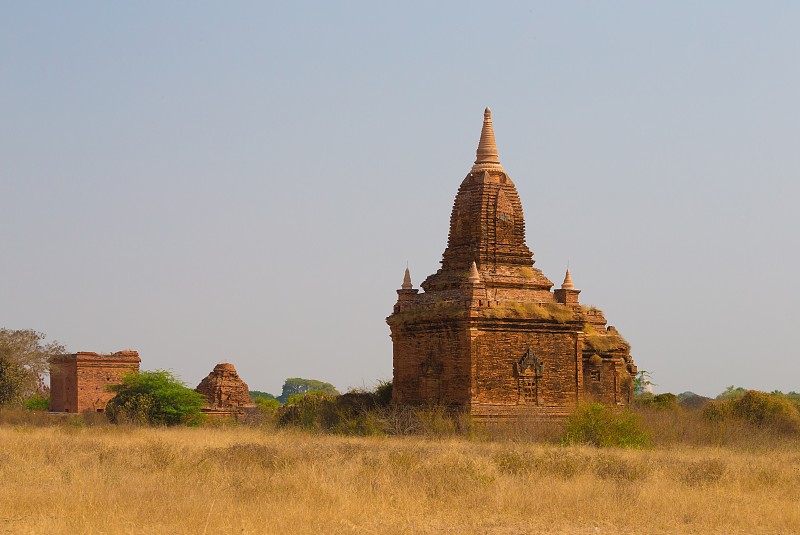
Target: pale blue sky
x,y
208,181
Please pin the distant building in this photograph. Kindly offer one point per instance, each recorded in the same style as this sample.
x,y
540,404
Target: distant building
x,y
80,381
225,392
489,335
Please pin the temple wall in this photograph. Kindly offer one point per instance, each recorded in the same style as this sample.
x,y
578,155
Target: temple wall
x,y
431,364
609,382
496,356
63,387
80,381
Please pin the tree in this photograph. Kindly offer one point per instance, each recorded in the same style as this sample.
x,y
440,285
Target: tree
x,y
732,392
256,394
297,386
155,398
23,364
643,384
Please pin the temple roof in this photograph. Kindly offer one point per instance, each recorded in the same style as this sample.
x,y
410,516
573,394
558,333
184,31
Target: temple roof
x,y
487,226
407,281
567,284
487,157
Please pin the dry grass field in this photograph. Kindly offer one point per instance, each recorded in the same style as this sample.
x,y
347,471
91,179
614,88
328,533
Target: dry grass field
x,y
106,479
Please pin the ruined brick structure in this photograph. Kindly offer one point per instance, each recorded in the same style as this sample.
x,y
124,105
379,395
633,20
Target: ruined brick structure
x,y
80,381
488,335
225,390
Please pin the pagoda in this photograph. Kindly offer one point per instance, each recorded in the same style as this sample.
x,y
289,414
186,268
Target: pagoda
x,y
488,335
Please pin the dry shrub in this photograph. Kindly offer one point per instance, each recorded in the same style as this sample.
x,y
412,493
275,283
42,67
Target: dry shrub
x,y
759,409
525,429
620,469
598,425
244,480
703,472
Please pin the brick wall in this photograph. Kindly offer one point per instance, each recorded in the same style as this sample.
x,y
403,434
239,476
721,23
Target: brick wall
x,y
80,381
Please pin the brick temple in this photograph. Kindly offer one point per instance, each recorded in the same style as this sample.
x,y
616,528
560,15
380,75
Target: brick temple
x,y
80,381
225,391
489,335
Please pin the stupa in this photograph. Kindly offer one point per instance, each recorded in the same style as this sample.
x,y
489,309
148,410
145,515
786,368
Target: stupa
x,y
489,335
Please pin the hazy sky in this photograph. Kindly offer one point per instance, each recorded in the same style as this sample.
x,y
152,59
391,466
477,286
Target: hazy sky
x,y
209,181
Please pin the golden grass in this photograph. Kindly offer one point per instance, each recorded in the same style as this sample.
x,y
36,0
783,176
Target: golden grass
x,y
106,479
603,342
545,311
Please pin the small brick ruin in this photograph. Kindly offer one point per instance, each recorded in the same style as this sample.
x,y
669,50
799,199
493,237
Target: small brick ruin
x,y
488,335
80,381
225,390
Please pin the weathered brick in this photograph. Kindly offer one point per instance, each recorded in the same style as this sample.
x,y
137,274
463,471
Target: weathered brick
x,y
492,337
81,381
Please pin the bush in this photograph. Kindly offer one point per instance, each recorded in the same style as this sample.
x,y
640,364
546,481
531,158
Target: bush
x,y
598,425
37,402
659,401
154,398
771,411
348,414
383,393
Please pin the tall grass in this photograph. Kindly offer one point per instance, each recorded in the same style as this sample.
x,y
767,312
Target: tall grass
x,y
239,479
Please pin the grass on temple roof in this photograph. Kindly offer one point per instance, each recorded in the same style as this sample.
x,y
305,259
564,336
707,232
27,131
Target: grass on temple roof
x,y
603,342
544,311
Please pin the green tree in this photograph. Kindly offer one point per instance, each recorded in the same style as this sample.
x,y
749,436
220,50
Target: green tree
x,y
23,364
732,392
255,395
154,398
643,384
297,386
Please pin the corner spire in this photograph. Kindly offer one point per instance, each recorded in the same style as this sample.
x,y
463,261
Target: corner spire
x,y
567,284
474,275
407,281
487,157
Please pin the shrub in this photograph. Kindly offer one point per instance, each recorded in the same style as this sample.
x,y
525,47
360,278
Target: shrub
x,y
348,414
770,411
37,402
267,405
598,425
659,401
154,398
383,393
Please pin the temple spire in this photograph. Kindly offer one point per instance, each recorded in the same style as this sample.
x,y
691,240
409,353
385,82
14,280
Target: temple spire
x,y
487,157
407,281
474,275
567,284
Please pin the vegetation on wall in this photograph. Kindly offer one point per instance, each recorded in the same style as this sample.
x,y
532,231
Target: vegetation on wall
x,y
544,311
431,311
605,341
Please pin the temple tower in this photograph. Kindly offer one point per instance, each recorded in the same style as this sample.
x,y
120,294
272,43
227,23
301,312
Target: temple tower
x,y
487,334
